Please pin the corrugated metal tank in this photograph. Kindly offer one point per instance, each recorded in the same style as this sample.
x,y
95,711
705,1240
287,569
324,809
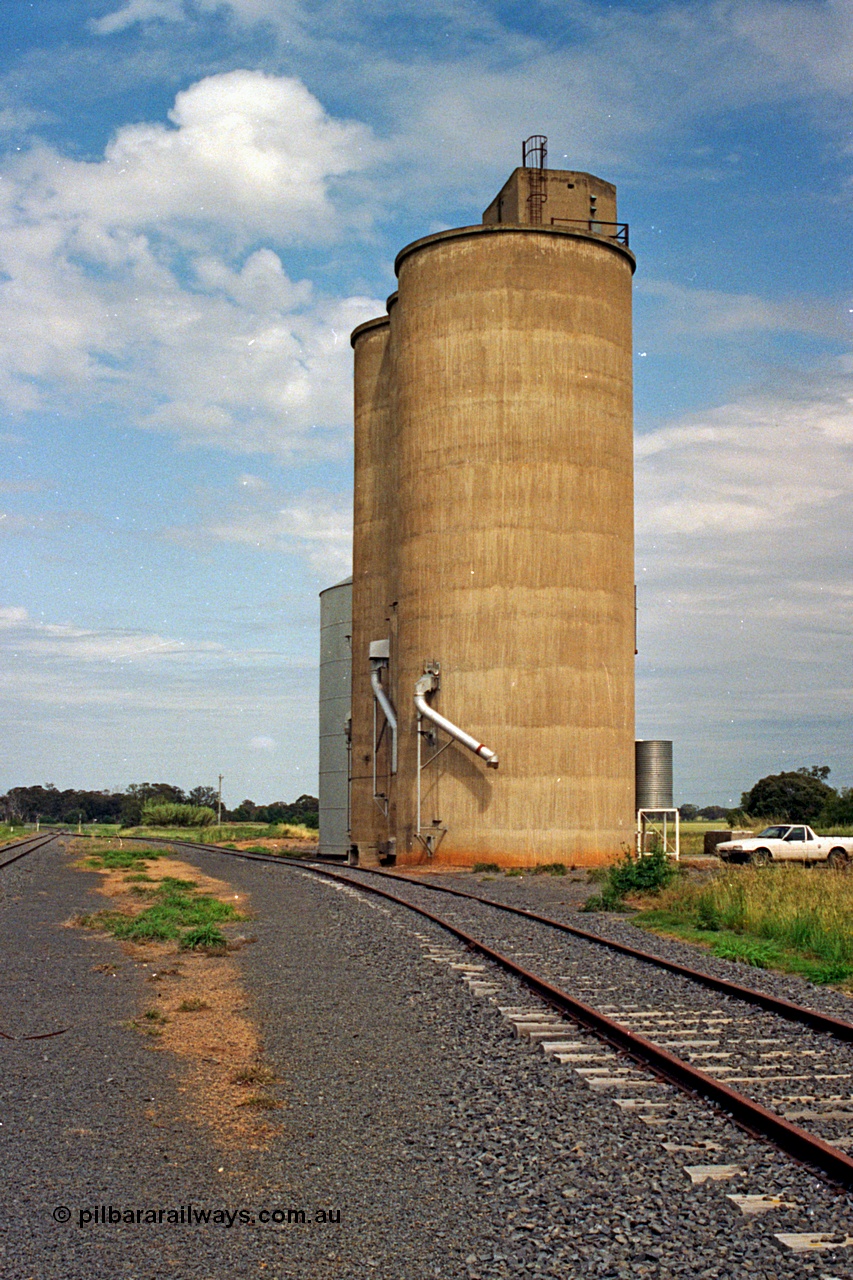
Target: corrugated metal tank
x,y
335,632
373,557
653,768
513,412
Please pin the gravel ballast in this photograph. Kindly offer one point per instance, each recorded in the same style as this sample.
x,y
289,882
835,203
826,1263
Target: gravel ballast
x,y
450,1147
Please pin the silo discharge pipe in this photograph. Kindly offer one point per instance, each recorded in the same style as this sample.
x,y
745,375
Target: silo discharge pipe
x,y
425,685
388,711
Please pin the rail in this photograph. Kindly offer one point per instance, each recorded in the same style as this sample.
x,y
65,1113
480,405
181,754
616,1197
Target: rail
x,y
34,842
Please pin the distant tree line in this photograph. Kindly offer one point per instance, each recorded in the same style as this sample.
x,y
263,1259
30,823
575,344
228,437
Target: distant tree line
x,y
27,804
801,795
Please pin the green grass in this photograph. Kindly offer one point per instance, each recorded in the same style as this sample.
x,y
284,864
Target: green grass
x,y
797,919
230,832
205,937
176,911
131,858
550,869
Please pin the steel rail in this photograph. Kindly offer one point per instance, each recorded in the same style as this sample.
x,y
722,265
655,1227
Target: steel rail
x,y
773,1004
751,1116
35,842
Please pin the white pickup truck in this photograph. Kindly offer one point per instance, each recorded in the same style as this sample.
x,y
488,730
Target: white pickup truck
x,y
788,844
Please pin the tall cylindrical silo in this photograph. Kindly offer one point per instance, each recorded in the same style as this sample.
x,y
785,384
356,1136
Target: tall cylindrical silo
x,y
513,413
373,553
335,632
653,773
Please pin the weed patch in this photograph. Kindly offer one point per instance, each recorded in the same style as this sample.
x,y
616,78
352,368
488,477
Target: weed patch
x,y
632,874
118,859
485,867
550,869
176,911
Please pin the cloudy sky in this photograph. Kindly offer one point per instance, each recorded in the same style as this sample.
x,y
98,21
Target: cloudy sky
x,y
201,198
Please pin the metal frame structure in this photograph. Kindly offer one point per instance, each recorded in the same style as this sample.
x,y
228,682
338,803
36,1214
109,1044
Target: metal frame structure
x,y
662,825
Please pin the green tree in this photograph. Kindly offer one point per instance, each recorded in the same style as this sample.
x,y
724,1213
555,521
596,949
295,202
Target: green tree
x,y
798,796
838,810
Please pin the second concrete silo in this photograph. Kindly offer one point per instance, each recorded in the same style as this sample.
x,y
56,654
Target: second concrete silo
x,y
374,522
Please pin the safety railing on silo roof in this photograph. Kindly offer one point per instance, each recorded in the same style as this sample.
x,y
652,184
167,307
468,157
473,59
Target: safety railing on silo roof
x,y
617,231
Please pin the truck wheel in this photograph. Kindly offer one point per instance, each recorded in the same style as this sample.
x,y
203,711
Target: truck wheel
x,y
760,858
837,859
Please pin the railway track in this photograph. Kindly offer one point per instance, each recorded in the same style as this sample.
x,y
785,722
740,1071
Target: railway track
x,y
778,1069
29,845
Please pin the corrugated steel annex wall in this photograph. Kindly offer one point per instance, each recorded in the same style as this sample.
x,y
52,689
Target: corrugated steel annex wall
x,y
335,667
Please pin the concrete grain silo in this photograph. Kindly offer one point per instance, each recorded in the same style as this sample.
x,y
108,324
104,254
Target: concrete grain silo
x,y
493,543
374,528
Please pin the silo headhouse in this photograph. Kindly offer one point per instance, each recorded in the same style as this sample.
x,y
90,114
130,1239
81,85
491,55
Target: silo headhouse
x,y
492,636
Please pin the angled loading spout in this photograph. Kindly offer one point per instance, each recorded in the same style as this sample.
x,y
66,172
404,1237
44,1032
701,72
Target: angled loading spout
x,y
427,684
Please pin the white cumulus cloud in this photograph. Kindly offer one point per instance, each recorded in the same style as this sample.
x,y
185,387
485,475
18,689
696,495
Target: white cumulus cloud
x,y
131,280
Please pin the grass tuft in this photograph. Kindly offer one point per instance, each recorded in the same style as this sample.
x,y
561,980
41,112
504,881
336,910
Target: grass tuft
x,y
206,937
257,1074
260,1102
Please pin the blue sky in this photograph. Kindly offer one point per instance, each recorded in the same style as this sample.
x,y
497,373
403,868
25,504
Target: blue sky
x,y
201,198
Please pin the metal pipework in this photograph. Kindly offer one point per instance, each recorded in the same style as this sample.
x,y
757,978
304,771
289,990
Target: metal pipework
x,y
388,711
425,685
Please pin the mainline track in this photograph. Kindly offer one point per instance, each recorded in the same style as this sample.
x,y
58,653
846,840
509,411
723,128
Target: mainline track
x,y
751,1115
32,843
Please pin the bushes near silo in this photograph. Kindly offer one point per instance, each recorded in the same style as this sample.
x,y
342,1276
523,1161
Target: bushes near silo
x,y
632,874
176,815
